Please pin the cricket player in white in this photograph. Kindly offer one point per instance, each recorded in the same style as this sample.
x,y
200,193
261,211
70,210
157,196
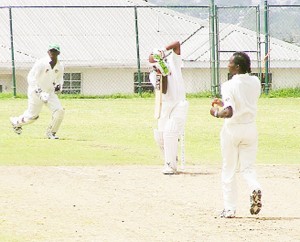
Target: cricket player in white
x,y
45,80
174,106
239,137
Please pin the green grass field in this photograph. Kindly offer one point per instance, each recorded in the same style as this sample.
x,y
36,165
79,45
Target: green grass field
x,y
120,131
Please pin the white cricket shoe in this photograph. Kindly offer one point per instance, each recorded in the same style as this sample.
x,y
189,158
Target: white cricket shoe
x,y
169,170
227,214
52,135
15,124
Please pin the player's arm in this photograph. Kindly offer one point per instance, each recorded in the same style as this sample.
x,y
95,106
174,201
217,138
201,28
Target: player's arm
x,y
58,84
224,113
60,78
175,46
33,75
227,112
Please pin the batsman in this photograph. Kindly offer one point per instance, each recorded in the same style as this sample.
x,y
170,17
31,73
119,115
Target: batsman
x,y
45,80
171,105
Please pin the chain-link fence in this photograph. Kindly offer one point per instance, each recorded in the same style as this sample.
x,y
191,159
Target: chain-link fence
x,y
284,29
237,29
105,49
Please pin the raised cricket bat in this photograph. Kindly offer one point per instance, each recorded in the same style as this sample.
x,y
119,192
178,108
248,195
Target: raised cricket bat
x,y
158,96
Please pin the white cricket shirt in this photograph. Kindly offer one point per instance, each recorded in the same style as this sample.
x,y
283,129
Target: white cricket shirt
x,y
43,76
176,89
241,93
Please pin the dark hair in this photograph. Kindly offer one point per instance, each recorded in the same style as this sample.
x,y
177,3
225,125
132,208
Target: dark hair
x,y
243,60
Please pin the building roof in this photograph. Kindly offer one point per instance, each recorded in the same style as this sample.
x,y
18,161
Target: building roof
x,y
103,33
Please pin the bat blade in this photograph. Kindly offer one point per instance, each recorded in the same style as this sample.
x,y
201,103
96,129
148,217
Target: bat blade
x,y
158,97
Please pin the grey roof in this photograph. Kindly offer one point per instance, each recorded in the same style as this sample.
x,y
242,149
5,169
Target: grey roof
x,y
72,2
107,36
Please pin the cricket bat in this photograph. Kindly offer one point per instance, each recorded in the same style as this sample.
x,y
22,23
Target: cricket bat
x,y
158,96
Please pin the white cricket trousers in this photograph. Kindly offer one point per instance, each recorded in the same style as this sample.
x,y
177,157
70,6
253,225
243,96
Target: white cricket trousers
x,y
171,124
35,105
239,148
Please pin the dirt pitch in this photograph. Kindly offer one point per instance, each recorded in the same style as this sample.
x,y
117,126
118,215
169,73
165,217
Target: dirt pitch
x,y
138,203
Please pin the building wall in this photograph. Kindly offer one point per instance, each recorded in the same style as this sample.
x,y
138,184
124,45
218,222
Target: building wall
x,y
106,81
197,80
7,82
285,78
281,77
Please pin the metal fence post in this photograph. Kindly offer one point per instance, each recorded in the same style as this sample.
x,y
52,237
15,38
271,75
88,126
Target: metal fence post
x,y
217,50
12,54
212,49
258,32
266,29
138,49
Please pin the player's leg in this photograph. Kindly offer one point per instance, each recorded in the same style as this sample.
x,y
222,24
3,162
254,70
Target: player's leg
x,y
247,157
29,116
158,133
57,116
228,177
159,139
173,129
182,112
170,137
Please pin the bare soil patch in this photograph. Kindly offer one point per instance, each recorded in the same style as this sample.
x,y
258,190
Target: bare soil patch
x,y
138,203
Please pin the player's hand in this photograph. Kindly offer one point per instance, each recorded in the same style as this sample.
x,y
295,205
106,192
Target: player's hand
x,y
159,54
57,88
214,111
217,102
44,96
162,52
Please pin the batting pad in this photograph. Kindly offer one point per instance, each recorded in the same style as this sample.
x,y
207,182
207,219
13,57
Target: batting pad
x,y
57,118
171,148
23,120
159,139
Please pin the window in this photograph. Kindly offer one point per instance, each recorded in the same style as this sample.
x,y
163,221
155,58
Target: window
x,y
145,82
72,83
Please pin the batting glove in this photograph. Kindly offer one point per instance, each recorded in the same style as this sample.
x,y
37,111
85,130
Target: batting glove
x,y
57,88
44,96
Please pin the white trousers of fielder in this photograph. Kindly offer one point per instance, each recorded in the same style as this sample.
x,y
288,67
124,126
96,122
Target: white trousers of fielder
x,y
35,106
239,148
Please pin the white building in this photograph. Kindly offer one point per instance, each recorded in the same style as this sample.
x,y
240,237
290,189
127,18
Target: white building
x,y
99,44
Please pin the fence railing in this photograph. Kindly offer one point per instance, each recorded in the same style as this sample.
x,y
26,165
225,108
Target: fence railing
x,y
105,48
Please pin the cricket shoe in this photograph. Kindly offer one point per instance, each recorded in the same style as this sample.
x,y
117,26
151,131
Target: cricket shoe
x,y
227,214
14,122
52,135
255,202
168,169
